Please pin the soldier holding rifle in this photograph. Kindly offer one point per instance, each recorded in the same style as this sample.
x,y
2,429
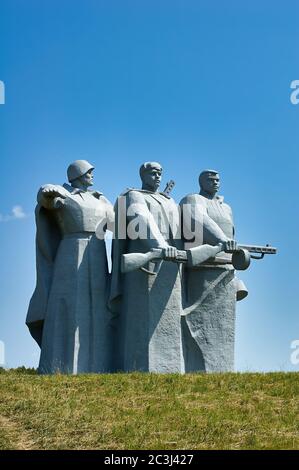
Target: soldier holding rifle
x,y
161,330
211,289
147,300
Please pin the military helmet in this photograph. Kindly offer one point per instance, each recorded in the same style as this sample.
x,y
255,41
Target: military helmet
x,y
77,169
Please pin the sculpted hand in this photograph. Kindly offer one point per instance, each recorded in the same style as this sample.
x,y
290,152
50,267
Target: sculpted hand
x,y
52,192
170,253
230,245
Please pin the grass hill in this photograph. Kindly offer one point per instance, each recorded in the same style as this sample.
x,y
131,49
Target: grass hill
x,y
149,411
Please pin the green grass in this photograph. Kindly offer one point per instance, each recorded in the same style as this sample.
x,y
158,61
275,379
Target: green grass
x,y
149,411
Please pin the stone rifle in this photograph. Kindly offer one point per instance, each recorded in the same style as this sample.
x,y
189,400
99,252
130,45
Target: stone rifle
x,y
242,256
195,256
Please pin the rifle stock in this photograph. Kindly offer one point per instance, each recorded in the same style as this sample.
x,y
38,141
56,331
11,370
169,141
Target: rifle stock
x,y
193,257
132,261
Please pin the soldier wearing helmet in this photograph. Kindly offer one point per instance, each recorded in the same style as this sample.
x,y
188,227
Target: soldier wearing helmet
x,y
67,313
78,169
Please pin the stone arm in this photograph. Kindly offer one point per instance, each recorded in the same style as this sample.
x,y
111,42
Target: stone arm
x,y
196,223
51,196
231,215
109,212
139,219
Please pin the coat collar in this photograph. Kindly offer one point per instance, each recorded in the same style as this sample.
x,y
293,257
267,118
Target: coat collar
x,y
73,190
145,192
216,198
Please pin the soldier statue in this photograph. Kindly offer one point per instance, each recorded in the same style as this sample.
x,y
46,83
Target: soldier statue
x,y
67,314
147,300
211,289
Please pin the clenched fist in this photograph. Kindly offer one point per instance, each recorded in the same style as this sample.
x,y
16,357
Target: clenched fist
x,y
170,253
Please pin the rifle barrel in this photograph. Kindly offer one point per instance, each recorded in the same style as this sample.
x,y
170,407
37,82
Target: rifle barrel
x,y
268,250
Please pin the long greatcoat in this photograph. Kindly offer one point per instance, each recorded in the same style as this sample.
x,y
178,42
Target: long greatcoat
x,y
67,314
148,306
210,289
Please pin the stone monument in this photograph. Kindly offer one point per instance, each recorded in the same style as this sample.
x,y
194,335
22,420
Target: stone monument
x,y
68,315
171,310
147,301
211,289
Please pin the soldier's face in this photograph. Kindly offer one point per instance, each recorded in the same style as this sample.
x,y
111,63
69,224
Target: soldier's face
x,y
87,179
211,184
152,178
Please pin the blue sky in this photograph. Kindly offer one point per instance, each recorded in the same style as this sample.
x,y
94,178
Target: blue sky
x,y
192,84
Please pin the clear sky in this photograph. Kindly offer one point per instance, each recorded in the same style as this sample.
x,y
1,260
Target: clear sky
x,y
193,84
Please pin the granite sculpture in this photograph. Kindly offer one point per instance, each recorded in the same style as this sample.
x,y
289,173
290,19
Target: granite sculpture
x,y
168,305
147,301
68,314
211,289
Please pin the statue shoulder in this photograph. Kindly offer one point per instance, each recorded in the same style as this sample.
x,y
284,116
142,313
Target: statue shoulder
x,y
133,194
194,198
166,196
224,204
228,208
105,201
97,194
127,191
101,197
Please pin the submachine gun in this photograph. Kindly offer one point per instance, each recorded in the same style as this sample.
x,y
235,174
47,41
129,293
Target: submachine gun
x,y
241,256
